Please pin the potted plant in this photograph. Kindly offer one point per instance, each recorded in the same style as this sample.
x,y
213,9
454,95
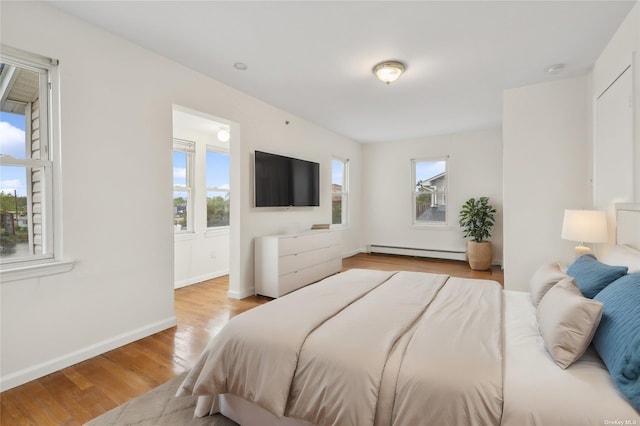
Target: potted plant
x,y
476,219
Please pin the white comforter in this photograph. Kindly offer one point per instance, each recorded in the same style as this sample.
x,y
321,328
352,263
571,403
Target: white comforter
x,y
364,348
539,393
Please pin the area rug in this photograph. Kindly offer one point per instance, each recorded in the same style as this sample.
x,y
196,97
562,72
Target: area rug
x,y
159,407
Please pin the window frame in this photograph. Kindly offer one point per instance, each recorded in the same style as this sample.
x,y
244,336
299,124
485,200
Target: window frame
x,y
414,193
344,193
219,150
50,260
189,148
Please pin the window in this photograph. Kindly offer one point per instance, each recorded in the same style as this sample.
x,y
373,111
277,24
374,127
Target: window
x,y
26,161
183,152
430,185
217,188
339,191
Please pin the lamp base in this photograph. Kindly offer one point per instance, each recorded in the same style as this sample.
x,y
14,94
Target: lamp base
x,y
581,250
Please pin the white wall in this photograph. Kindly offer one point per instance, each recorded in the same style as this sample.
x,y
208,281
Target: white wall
x,y
475,169
299,139
546,131
116,136
622,50
618,52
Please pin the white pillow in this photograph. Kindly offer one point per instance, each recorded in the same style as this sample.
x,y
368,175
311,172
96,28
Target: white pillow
x,y
567,322
624,256
543,279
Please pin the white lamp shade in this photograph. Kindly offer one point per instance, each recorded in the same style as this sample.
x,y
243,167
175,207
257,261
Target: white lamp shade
x,y
585,226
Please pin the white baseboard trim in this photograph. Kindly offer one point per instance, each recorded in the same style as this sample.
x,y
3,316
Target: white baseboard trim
x,y
200,278
436,254
245,292
39,370
408,251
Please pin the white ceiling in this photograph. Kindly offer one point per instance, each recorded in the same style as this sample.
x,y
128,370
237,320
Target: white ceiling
x,y
189,120
314,59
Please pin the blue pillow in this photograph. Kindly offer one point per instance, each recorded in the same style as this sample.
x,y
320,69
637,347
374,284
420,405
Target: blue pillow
x,y
617,339
592,276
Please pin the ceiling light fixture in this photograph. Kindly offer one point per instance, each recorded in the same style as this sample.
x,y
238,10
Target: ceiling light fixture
x,y
555,69
223,135
388,71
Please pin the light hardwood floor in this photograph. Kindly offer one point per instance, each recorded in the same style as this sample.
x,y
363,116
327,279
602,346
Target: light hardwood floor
x,y
83,391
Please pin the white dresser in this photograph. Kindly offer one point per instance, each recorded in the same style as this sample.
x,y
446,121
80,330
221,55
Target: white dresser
x,y
284,263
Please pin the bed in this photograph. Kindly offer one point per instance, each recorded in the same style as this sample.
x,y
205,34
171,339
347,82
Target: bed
x,y
371,347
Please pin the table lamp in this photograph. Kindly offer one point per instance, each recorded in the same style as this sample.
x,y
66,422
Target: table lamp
x,y
585,226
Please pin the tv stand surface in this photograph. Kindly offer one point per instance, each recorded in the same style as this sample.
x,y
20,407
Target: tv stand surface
x,y
286,262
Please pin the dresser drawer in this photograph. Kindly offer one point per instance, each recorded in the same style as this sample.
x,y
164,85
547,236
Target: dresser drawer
x,y
295,280
298,261
299,243
323,270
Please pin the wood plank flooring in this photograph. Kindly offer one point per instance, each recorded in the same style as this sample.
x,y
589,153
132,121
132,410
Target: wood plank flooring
x,y
83,391
404,263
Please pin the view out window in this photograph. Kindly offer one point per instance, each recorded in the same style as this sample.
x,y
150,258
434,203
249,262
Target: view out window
x,y
429,191
183,152
217,188
26,166
339,191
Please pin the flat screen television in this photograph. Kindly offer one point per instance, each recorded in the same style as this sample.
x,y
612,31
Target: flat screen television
x,y
284,181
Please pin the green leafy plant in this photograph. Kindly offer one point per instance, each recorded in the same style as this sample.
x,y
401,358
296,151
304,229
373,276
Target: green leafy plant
x,y
476,218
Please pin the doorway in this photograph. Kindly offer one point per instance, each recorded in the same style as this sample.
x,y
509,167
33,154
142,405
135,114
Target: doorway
x,y
201,196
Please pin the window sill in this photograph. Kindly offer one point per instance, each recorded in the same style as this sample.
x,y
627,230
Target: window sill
x,y
431,227
216,232
34,271
185,236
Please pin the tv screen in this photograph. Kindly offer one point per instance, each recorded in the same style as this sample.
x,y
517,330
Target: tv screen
x,y
284,181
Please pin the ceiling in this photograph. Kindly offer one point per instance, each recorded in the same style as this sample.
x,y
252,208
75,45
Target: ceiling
x,y
188,120
315,59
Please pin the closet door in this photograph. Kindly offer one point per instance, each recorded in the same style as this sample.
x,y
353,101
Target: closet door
x,y
613,155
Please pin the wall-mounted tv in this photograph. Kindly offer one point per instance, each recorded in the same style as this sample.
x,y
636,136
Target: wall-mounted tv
x,y
284,181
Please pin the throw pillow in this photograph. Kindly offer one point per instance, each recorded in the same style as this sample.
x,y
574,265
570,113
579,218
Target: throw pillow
x,y
617,340
545,277
592,276
567,322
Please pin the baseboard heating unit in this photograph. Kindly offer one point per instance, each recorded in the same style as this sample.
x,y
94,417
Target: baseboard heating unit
x,y
419,252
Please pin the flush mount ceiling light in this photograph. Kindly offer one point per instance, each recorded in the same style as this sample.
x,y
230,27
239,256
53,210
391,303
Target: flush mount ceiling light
x,y
223,135
388,71
555,69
